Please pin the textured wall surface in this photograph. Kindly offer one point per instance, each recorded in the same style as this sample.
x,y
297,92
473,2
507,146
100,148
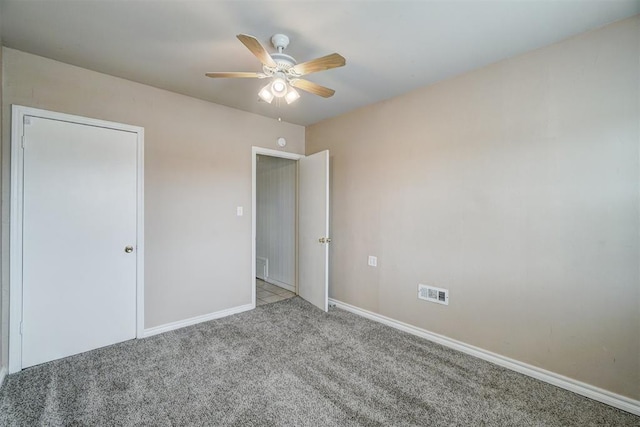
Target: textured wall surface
x,y
516,187
197,171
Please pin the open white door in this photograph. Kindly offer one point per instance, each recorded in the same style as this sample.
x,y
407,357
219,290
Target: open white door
x,y
313,231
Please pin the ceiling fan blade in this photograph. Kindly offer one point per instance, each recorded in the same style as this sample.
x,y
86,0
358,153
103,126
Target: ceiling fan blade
x,y
313,88
257,49
240,75
320,64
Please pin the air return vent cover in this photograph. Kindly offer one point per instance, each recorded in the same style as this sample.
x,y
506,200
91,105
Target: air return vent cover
x,y
433,294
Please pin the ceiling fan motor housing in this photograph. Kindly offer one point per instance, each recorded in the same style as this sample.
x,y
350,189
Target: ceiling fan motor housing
x,y
283,60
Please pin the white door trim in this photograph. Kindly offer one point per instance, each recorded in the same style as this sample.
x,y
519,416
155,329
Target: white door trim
x,y
18,114
254,161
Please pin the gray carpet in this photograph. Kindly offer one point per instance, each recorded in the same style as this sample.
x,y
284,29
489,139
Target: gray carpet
x,y
289,364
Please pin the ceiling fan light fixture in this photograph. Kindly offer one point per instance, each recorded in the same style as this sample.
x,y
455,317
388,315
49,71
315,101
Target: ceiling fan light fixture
x,y
265,94
279,87
291,96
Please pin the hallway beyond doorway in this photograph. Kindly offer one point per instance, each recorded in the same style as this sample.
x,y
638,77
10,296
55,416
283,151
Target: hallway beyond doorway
x,y
268,293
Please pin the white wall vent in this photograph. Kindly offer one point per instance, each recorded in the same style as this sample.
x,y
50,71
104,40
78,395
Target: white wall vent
x,y
433,294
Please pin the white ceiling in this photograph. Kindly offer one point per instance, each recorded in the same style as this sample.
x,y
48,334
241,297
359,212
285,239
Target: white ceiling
x,y
391,47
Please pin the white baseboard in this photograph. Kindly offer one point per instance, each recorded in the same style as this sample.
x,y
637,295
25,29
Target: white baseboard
x,y
194,320
3,373
584,389
280,284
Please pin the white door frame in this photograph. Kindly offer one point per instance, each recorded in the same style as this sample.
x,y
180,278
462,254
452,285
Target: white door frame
x,y
254,162
18,114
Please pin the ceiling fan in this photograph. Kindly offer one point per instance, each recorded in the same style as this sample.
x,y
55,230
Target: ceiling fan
x,y
283,70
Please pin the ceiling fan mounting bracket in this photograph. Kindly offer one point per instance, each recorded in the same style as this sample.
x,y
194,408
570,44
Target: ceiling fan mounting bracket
x,y
280,42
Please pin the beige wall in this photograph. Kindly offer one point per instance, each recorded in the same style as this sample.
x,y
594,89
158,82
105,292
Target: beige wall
x,y
4,294
197,171
516,187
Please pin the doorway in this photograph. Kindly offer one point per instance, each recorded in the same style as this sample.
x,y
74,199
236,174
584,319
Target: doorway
x,y
276,214
76,235
311,225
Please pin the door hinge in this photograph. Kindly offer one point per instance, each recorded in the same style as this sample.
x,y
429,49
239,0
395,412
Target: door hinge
x,y
21,328
22,142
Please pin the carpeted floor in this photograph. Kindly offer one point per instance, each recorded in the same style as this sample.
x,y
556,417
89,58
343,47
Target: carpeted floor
x,y
289,364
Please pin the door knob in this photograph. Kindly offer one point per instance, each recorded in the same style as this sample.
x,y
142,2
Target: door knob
x,y
128,249
322,240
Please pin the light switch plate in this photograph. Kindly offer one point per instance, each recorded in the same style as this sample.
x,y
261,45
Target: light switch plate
x,y
373,261
239,211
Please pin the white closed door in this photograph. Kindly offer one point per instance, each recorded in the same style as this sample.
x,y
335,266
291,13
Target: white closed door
x,y
313,214
79,238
